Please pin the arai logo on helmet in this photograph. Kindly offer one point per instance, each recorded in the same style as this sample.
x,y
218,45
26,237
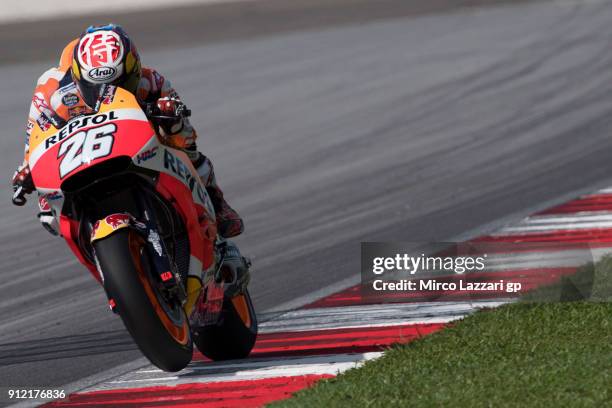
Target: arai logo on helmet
x,y
102,73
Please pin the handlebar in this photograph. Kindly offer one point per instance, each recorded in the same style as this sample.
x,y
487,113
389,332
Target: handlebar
x,y
152,112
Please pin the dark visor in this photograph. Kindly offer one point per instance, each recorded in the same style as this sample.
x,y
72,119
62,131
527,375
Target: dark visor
x,y
90,92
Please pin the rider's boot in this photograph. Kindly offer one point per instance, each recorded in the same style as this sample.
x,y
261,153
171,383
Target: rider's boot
x,y
234,268
229,223
234,272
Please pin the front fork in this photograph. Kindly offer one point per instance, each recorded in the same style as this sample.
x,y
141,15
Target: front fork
x,y
201,304
159,263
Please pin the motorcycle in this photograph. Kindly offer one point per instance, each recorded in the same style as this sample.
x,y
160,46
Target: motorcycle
x,y
137,215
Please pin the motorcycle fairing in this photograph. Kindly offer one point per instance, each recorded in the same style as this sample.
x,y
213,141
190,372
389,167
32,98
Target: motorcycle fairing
x,y
132,135
130,131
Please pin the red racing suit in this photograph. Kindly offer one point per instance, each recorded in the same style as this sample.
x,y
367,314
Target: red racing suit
x,y
56,99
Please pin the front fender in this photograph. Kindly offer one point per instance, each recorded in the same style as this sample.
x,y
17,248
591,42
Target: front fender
x,y
109,225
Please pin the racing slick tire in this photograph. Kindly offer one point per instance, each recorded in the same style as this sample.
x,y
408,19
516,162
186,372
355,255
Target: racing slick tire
x,y
234,335
160,330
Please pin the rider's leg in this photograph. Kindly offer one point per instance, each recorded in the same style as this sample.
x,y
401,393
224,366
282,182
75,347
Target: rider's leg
x,y
229,223
235,267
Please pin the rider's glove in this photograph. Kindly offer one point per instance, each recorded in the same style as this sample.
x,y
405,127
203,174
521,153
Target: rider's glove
x,y
173,109
46,216
22,184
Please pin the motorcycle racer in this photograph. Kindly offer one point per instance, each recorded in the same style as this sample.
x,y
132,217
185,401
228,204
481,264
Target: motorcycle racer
x,y
105,55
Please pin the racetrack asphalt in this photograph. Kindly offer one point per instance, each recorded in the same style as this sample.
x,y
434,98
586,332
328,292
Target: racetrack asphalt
x,y
415,128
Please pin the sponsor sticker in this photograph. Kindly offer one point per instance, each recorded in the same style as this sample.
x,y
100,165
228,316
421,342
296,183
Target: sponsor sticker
x,y
28,132
108,95
79,123
102,73
116,220
176,166
78,111
43,204
70,99
43,123
113,222
146,155
40,103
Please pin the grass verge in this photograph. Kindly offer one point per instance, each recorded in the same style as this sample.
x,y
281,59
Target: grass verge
x,y
523,354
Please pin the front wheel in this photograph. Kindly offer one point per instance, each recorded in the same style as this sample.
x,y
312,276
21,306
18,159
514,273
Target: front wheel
x,y
160,330
234,335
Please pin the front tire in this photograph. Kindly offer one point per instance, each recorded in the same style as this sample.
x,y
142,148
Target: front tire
x,y
164,339
234,336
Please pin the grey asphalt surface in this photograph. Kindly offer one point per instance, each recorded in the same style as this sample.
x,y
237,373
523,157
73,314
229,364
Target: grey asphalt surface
x,y
417,128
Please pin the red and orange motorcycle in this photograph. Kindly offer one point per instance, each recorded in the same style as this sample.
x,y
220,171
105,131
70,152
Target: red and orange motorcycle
x,y
136,214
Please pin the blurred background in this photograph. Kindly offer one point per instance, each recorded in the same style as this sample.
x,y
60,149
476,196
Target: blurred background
x,y
330,122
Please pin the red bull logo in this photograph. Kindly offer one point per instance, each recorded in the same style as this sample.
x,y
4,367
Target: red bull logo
x,y
116,220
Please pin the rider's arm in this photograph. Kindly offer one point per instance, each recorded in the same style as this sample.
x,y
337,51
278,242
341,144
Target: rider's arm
x,y
39,113
180,134
45,86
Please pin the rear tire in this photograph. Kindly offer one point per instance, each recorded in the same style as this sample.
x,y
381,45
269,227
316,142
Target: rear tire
x,y
231,338
124,285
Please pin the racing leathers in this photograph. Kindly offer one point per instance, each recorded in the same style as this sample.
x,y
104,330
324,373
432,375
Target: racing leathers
x,y
57,99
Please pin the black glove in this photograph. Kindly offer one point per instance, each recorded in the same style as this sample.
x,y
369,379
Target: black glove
x,y
172,112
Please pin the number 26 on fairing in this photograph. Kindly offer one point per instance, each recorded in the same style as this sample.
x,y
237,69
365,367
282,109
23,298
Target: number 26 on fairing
x,y
86,146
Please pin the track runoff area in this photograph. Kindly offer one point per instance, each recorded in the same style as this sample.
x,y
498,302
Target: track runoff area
x,y
297,348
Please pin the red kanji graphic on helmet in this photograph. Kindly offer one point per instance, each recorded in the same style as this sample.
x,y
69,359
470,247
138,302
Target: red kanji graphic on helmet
x,y
116,220
100,49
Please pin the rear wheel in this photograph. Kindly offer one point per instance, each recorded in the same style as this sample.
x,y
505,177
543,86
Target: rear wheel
x,y
159,328
234,335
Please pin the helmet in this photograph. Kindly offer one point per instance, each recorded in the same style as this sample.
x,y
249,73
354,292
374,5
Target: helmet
x,y
104,55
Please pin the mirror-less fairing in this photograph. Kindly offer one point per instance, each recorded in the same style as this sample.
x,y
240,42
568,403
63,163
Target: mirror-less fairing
x,y
136,214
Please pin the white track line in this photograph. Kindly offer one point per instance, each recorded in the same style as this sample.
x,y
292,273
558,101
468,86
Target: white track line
x,y
579,217
240,370
317,320
391,314
545,259
575,221
329,318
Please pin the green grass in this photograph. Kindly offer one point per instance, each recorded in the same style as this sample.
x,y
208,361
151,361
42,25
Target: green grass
x,y
592,282
524,354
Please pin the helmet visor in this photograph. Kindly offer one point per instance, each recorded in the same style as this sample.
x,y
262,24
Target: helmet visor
x,y
90,92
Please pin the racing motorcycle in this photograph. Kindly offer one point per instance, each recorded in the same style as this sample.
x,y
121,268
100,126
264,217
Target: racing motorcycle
x,y
137,215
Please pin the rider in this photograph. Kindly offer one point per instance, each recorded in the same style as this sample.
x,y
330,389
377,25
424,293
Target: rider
x,y
106,55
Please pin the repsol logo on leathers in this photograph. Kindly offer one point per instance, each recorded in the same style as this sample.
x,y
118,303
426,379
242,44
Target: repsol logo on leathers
x,y
176,166
79,123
